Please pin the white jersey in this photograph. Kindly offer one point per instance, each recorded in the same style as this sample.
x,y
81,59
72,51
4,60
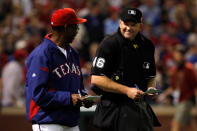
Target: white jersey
x,y
12,82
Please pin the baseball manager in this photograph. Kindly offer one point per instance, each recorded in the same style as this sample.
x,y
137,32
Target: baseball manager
x,y
54,88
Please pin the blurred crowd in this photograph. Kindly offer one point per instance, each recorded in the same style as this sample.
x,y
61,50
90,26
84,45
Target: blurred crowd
x,y
24,23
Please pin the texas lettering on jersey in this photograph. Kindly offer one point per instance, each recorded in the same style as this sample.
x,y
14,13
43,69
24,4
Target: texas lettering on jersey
x,y
67,68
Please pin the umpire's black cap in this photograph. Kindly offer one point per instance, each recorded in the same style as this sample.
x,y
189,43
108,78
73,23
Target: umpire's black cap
x,y
131,14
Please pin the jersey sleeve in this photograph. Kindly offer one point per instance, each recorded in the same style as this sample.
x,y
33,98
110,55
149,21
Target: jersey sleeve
x,y
104,59
37,78
153,67
152,71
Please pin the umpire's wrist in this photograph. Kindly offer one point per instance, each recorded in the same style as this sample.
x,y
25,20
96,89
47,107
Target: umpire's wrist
x,y
126,90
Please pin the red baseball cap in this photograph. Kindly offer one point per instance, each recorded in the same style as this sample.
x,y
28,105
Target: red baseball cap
x,y
65,16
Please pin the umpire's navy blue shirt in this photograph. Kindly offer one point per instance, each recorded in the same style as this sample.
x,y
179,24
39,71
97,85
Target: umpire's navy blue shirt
x,y
137,57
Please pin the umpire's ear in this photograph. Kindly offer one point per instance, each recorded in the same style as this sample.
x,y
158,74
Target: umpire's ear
x,y
141,20
141,24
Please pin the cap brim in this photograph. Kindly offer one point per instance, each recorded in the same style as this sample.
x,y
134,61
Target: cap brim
x,y
127,19
80,20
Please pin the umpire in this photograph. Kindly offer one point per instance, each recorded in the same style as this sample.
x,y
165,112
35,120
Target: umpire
x,y
124,67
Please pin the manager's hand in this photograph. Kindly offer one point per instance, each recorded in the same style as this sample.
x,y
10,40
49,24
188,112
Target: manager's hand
x,y
134,93
76,100
88,103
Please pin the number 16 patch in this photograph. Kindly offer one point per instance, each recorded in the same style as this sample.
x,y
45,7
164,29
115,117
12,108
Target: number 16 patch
x,y
98,62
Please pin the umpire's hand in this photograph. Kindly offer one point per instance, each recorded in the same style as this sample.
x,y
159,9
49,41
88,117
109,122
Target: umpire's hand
x,y
134,93
76,100
154,95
